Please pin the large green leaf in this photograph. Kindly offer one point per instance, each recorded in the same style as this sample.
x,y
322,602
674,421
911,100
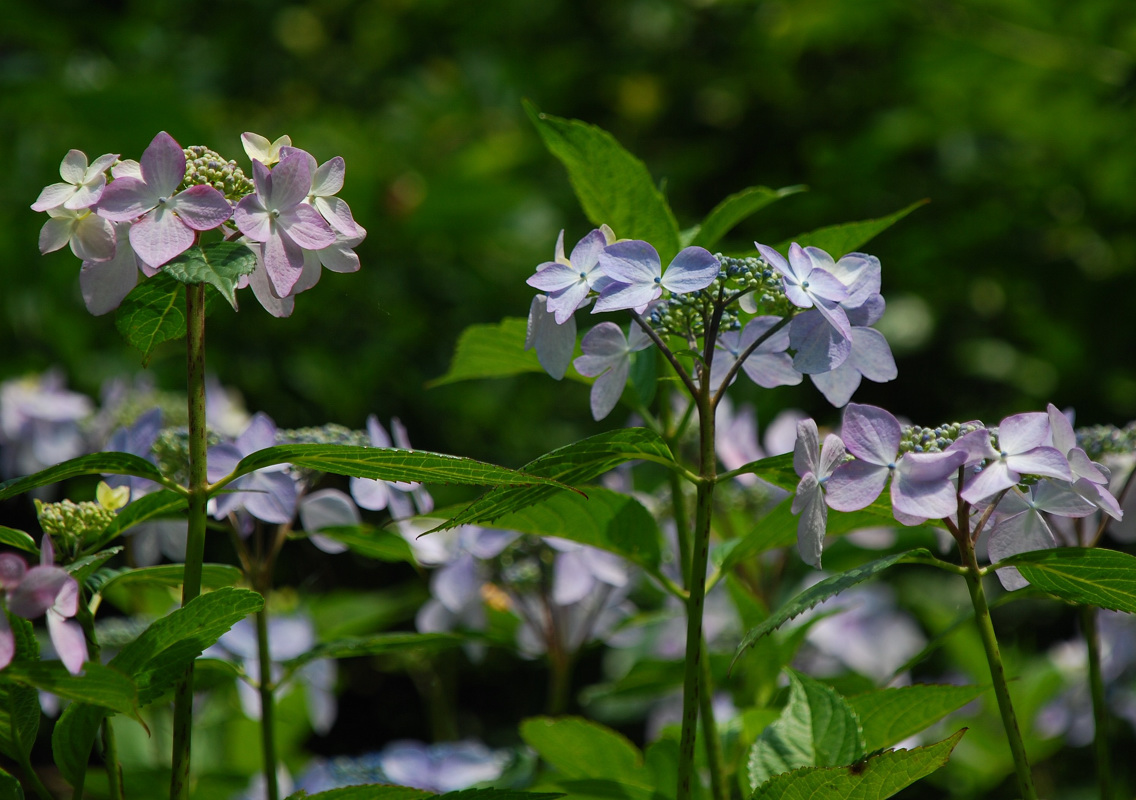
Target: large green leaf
x,y
220,264
817,729
154,312
11,537
98,685
93,464
605,519
19,705
73,737
572,464
1082,576
494,351
213,576
875,778
580,748
734,209
389,464
378,644
891,715
838,240
827,588
165,503
612,185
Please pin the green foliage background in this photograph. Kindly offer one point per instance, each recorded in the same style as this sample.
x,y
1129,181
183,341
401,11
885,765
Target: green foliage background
x,y
1012,288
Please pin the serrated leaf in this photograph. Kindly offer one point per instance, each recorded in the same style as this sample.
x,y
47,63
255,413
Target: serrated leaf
x,y
372,542
1082,576
93,464
220,264
875,778
572,464
149,506
98,685
213,576
605,519
579,748
389,464
153,312
378,644
890,715
839,240
613,186
817,729
825,589
734,209
494,351
18,539
83,568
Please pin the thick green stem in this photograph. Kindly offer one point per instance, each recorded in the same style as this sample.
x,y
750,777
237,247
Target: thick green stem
x,y
997,673
1100,711
195,541
110,752
719,790
267,705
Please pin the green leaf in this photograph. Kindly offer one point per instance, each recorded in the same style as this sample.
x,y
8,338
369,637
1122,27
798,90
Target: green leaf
x,y
93,464
580,748
494,351
605,519
149,506
575,463
19,705
213,576
83,568
874,778
777,470
153,312
734,209
98,685
817,729
825,589
613,186
378,644
73,737
389,464
10,788
839,240
891,715
1081,576
18,539
372,542
220,264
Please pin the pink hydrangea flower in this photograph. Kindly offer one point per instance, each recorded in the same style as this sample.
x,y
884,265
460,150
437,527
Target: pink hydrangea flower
x,y
82,184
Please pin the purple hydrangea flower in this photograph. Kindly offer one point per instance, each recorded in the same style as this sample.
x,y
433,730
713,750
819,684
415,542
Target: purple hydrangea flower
x,y
767,366
104,284
268,494
809,285
44,590
39,423
568,281
1022,450
637,276
554,342
402,499
165,224
815,465
327,508
607,357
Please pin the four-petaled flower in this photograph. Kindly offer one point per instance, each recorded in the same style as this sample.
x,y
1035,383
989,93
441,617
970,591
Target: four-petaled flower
x,y
83,185
607,357
637,275
569,280
1022,450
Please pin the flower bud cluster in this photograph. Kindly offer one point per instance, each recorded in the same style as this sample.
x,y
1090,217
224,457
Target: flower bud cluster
x,y
1104,440
171,452
72,524
916,439
206,167
753,274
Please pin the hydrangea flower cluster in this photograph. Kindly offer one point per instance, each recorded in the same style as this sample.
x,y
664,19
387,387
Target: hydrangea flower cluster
x,y
152,210
831,304
1029,464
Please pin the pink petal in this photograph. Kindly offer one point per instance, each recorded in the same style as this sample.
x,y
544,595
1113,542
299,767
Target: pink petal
x,y
54,196
37,591
202,207
328,179
806,451
7,642
871,433
339,257
262,289
104,284
291,183
87,195
92,238
126,199
74,166
284,262
68,641
338,215
160,236
163,165
252,219
994,477
307,228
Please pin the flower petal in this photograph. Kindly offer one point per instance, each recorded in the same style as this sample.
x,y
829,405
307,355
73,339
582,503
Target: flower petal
x,y
307,228
163,165
202,207
856,485
692,269
68,640
328,178
160,236
871,433
54,196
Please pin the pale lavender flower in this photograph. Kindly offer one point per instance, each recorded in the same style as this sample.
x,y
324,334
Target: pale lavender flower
x,y
165,224
1091,480
767,366
446,767
921,487
91,237
554,342
82,185
39,423
104,284
327,508
278,217
607,357
268,494
568,281
815,466
402,499
138,440
808,285
638,278
870,357
1022,450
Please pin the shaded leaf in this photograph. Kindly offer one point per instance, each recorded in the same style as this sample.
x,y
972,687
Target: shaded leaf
x,y
93,464
874,778
19,705
494,351
839,240
890,715
572,464
372,542
98,685
580,748
378,644
734,209
613,186
213,576
1082,576
220,264
165,503
18,539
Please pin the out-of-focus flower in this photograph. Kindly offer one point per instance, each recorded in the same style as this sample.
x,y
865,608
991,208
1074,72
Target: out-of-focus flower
x,y
446,767
767,366
268,494
554,343
44,590
402,499
39,423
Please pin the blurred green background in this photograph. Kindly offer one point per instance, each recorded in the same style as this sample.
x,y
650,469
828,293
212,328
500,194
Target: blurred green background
x,y
1012,288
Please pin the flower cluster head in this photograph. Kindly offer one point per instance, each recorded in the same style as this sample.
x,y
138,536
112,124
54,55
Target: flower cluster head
x,y
44,590
1018,473
152,210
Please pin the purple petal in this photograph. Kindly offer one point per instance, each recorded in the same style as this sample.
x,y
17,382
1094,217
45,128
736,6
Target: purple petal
x,y
871,433
160,236
608,388
554,343
68,640
922,486
222,459
1020,533
831,455
976,445
283,261
806,451
826,287
771,369
7,642
269,496
307,228
586,253
554,277
37,591
820,347
617,296
693,268
262,289
856,485
104,284
127,199
633,262
994,477
252,219
1041,461
1023,432
814,519
370,494
259,434
291,183
202,207
327,508
163,165
871,355
838,385
338,215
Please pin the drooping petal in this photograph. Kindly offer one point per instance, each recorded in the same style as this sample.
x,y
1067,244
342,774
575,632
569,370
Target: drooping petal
x,y
68,640
36,593
554,342
806,451
338,215
608,388
262,289
813,521
1020,533
819,347
55,233
104,284
7,642
283,261
832,454
838,385
871,355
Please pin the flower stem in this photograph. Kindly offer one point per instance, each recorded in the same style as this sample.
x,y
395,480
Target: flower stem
x,y
997,672
1100,711
719,790
195,543
267,706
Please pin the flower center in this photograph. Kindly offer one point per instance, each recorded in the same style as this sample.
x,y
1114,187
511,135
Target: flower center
x,y
163,200
659,279
274,213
